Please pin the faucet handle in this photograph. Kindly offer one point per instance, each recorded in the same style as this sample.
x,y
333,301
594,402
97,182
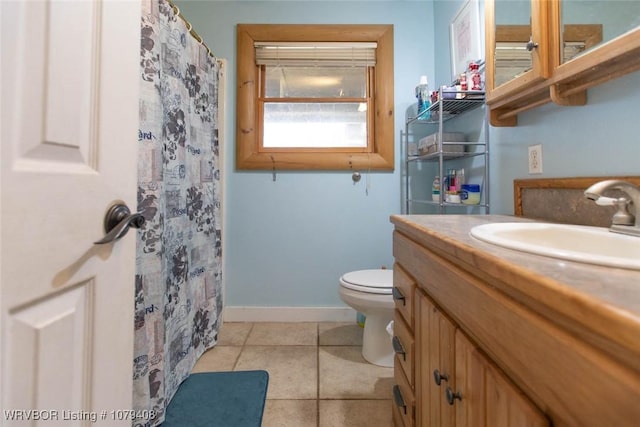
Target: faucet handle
x,y
624,220
622,216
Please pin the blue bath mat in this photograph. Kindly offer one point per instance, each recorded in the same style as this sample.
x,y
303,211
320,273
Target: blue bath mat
x,y
219,399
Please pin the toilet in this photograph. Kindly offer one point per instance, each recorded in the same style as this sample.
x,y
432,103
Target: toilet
x,y
369,292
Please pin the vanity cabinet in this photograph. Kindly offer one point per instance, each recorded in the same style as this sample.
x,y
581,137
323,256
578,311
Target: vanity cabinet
x,y
551,72
458,385
502,356
442,378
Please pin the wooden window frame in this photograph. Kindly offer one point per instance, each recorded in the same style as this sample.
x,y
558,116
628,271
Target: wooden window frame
x,y
249,156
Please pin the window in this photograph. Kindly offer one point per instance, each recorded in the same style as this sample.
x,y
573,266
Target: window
x,y
315,97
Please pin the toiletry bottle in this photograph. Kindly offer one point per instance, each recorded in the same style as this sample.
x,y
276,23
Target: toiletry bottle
x,y
453,184
424,101
459,179
435,189
463,85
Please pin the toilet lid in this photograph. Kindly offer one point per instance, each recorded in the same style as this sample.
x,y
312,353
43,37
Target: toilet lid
x,y
373,281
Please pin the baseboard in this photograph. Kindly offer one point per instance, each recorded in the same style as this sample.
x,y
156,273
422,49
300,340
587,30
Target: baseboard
x,y
288,314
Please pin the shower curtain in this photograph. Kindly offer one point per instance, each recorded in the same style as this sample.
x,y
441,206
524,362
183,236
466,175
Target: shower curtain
x,y
178,299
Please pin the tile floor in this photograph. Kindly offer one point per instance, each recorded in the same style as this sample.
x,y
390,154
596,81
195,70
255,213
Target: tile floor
x,y
317,375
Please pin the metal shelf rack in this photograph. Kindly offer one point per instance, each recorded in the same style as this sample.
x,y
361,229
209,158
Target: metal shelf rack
x,y
439,112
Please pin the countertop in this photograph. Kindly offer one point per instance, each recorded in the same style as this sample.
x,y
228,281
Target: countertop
x,y
601,304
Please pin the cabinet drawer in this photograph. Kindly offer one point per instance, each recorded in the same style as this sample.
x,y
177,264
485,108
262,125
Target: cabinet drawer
x,y
403,288
397,417
403,344
403,397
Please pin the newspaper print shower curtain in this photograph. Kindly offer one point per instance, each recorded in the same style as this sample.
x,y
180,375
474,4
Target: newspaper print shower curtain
x,y
178,299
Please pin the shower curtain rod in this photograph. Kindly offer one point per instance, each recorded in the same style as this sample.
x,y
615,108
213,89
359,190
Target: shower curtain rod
x,y
193,33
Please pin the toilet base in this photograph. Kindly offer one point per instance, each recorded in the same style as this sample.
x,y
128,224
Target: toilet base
x,y
376,342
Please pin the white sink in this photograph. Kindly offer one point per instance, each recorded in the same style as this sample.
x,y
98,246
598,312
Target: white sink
x,y
591,245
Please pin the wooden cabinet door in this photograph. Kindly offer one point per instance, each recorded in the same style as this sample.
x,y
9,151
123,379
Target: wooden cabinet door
x,y
484,396
435,337
509,86
470,382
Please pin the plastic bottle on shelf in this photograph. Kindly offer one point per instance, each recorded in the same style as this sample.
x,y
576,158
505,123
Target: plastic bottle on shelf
x,y
424,98
435,189
459,179
452,181
463,86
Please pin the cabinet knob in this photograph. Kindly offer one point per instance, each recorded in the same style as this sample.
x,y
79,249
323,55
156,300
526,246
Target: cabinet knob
x,y
438,377
397,295
531,45
451,396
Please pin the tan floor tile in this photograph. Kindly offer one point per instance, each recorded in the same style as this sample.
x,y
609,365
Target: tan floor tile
x,y
344,374
219,358
340,333
234,333
290,413
355,413
271,333
292,369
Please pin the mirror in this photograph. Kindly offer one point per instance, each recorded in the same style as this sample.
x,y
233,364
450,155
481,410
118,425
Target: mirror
x,y
512,32
580,44
593,22
512,58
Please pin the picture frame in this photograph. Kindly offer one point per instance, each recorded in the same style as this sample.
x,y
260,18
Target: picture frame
x,y
466,39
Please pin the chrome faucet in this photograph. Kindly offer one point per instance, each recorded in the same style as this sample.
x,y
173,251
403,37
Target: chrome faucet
x,y
623,221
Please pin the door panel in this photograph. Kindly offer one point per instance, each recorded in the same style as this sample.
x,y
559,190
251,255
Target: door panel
x,y
434,350
507,405
69,125
59,60
488,398
48,344
442,344
470,382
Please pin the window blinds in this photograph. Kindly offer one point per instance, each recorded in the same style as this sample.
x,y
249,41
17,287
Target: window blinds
x,y
315,54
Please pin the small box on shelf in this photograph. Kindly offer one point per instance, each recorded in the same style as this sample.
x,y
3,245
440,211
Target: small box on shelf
x,y
429,144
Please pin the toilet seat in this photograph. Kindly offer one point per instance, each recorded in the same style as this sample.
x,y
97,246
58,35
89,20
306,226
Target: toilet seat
x,y
376,281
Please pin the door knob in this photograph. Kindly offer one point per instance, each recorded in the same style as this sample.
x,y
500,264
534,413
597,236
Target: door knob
x,y
451,396
117,222
531,45
438,377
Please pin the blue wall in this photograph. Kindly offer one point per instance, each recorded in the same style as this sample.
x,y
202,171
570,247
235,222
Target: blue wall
x,y
288,241
598,139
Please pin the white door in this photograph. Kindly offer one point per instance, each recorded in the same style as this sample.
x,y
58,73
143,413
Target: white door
x,y
69,88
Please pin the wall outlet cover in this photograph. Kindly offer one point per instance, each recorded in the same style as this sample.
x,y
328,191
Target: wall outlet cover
x,y
535,159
